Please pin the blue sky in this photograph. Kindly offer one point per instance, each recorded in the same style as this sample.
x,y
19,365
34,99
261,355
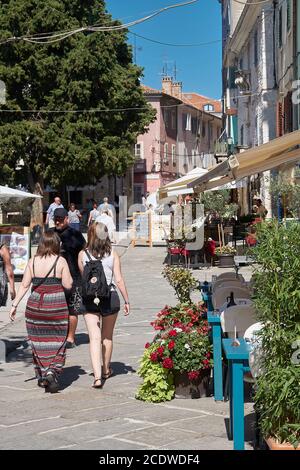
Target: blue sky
x,y
199,68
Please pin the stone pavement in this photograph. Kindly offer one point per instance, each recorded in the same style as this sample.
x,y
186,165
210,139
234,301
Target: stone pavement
x,y
80,417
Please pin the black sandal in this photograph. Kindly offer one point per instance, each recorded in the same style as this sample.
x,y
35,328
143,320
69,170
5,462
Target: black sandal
x,y
97,386
109,374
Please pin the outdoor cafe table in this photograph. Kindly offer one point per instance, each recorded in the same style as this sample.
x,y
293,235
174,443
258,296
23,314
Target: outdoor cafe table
x,y
238,364
242,260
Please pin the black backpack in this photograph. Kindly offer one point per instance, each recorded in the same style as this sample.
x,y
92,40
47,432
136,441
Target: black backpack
x,y
94,283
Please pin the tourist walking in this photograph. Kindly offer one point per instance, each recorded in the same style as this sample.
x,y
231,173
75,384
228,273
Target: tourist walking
x,y
6,276
93,214
106,219
105,206
72,242
46,311
50,212
74,217
100,258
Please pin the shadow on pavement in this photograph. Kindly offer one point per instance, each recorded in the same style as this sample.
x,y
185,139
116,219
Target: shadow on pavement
x,y
81,338
70,375
119,368
250,423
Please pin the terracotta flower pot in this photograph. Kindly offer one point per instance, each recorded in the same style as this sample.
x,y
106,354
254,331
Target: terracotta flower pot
x,y
275,445
196,388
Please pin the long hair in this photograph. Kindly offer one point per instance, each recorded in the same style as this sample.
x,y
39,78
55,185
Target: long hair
x,y
49,244
99,243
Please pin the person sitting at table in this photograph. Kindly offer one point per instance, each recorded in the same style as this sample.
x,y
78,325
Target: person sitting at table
x,y
251,239
210,249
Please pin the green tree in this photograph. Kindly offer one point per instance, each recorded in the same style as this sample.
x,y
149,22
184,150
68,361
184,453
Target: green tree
x,y
83,72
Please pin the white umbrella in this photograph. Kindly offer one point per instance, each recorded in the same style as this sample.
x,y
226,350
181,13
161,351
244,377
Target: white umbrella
x,y
7,193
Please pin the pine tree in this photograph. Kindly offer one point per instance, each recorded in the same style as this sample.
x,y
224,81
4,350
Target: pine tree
x,y
83,72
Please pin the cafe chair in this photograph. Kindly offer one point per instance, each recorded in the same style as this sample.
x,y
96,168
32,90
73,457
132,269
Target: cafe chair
x,y
219,297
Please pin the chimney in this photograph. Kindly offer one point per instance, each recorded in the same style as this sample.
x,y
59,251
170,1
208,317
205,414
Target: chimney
x,y
167,85
177,90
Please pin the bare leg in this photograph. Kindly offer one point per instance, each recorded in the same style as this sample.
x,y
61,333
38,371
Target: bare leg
x,y
108,324
73,321
93,326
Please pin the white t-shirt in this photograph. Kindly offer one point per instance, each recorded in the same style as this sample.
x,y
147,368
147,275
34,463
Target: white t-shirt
x,y
108,221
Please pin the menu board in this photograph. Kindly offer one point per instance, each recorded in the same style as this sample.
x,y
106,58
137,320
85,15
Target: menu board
x,y
142,228
17,239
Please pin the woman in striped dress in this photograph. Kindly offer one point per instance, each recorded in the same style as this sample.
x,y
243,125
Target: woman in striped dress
x,y
46,311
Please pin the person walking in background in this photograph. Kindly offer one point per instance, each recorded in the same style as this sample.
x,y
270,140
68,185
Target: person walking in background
x,y
106,219
105,206
74,217
99,249
72,242
93,214
6,275
46,311
50,212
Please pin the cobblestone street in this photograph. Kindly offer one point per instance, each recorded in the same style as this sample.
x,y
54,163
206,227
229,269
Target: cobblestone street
x,y
79,417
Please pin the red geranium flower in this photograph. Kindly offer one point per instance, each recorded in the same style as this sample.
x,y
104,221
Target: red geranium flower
x,y
154,356
167,363
160,350
194,374
171,345
147,345
172,333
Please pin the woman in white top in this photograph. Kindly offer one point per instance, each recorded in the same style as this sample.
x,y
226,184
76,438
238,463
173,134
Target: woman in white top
x,y
99,247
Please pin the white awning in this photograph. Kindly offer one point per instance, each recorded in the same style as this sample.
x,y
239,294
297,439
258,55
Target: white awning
x,y
7,193
275,154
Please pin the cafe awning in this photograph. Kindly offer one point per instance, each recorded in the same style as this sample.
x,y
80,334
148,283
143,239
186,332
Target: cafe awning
x,y
277,153
7,193
180,186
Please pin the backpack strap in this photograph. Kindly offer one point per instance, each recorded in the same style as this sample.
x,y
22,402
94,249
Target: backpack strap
x,y
88,255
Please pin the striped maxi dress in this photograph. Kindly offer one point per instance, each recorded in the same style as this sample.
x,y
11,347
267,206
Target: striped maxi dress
x,y
47,317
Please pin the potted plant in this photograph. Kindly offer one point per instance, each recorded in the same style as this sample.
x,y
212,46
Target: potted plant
x,y
225,256
180,354
178,360
277,301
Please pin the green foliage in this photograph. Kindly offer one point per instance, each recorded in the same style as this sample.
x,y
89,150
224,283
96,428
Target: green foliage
x,y
289,193
158,383
278,402
277,300
182,281
225,250
218,201
83,72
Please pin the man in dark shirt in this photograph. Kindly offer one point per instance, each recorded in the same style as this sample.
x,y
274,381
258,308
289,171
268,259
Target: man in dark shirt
x,y
72,242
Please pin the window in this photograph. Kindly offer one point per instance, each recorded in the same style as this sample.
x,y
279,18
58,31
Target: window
x,y
184,117
280,28
194,158
241,63
185,158
194,125
188,126
166,117
256,48
209,107
288,15
174,154
166,149
173,119
139,150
